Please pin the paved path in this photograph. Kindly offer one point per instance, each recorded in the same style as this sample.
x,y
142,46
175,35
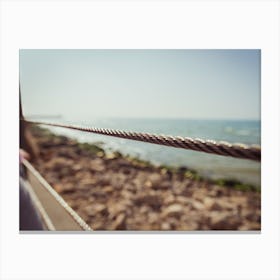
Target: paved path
x,y
58,216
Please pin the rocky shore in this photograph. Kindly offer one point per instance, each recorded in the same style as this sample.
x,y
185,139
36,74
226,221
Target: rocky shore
x,y
115,192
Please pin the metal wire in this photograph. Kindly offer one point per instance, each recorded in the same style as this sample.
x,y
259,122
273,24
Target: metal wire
x,y
237,150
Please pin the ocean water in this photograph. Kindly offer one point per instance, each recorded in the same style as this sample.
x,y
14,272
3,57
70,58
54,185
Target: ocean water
x,y
212,166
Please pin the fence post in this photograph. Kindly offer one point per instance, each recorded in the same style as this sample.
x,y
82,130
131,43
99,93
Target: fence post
x,y
22,125
27,141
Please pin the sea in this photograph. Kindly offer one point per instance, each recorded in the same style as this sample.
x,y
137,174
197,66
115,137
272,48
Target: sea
x,y
208,165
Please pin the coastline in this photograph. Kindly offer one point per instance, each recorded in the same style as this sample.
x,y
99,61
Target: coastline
x,y
111,191
207,165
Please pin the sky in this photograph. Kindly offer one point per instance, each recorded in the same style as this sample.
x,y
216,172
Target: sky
x,y
193,84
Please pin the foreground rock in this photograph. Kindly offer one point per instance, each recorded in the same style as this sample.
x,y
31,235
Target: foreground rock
x,y
111,192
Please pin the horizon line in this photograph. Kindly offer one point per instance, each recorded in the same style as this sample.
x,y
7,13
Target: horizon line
x,y
62,116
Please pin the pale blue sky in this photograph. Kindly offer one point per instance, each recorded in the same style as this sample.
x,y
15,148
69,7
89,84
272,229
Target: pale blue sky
x,y
203,84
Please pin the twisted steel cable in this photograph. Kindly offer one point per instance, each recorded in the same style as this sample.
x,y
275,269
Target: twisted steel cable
x,y
237,150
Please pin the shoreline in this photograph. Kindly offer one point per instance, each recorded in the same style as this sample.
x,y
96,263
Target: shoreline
x,y
112,191
191,173
207,165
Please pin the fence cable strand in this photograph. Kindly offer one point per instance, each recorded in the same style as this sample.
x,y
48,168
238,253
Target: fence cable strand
x,y
237,150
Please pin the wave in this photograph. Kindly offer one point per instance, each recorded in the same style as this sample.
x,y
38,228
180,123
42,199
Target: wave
x,y
242,132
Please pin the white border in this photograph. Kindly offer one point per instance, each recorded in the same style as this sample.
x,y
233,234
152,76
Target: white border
x,y
155,24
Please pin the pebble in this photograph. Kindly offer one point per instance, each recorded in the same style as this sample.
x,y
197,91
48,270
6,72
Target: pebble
x,y
119,223
198,205
173,210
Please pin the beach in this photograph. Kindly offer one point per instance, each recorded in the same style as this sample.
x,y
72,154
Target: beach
x,y
112,191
